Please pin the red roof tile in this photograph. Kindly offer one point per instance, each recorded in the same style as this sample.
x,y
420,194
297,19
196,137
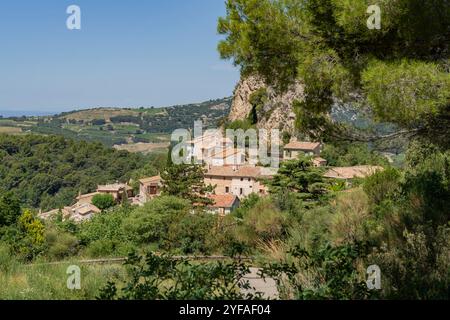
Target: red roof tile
x,y
222,201
301,145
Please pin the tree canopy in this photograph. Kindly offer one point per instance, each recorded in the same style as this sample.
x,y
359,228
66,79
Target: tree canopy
x,y
399,73
187,182
49,172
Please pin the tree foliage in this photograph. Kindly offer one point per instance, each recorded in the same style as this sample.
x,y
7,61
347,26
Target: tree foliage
x,y
9,209
301,177
401,72
49,172
187,182
155,277
103,201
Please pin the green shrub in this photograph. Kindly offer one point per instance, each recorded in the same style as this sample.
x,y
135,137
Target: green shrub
x,y
103,201
150,223
8,262
9,209
107,225
101,248
264,222
382,185
60,244
191,234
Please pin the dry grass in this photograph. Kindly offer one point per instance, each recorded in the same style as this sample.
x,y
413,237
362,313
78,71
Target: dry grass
x,y
142,147
275,249
352,210
10,130
101,113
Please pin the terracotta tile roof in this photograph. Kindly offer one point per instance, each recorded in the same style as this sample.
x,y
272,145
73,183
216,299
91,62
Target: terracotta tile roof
x,y
233,171
116,187
86,209
155,179
210,139
226,153
88,195
319,160
222,201
302,145
352,172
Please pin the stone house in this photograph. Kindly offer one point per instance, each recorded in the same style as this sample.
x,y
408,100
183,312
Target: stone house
x,y
212,142
349,173
79,212
223,204
240,181
226,157
296,148
119,191
149,188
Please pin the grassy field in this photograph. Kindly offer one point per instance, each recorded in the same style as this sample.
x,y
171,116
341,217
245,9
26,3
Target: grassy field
x,y
49,282
144,148
10,130
103,113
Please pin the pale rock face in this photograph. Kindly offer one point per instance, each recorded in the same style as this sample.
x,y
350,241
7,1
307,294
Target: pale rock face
x,y
278,111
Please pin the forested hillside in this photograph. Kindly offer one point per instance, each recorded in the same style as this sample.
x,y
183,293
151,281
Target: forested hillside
x,y
115,126
49,172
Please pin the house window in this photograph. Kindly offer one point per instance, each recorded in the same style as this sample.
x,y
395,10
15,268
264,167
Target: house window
x,y
241,191
227,189
242,179
152,190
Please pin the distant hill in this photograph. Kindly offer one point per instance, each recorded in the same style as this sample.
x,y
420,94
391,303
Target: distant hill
x,y
116,126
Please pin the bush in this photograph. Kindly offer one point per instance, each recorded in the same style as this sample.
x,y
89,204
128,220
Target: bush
x,y
60,244
32,231
9,209
105,226
150,223
103,201
191,234
352,212
101,248
262,223
162,278
8,263
98,122
382,185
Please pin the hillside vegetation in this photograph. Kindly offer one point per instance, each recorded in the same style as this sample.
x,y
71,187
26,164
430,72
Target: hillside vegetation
x,y
117,126
49,172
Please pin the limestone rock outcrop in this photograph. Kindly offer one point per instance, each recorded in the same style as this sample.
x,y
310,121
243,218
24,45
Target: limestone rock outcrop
x,y
277,112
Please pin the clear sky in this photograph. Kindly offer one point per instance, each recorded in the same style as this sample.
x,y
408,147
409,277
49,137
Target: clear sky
x,y
128,53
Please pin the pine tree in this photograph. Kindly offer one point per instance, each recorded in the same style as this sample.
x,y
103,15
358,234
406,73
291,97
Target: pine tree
x,y
187,182
398,74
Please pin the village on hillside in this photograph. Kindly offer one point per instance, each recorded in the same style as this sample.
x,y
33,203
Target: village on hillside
x,y
228,171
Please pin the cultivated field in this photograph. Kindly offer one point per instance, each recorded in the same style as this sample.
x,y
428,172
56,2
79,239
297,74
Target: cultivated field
x,y
144,148
101,113
10,130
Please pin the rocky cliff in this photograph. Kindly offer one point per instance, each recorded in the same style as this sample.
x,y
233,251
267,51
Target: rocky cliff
x,y
276,111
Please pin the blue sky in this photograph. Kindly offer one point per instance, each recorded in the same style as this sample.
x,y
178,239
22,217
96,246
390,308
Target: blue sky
x,y
128,53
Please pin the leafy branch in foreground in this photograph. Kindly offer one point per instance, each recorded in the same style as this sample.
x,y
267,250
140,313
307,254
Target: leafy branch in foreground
x,y
163,277
327,273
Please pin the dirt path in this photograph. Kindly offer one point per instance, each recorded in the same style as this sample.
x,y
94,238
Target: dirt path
x,y
267,287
